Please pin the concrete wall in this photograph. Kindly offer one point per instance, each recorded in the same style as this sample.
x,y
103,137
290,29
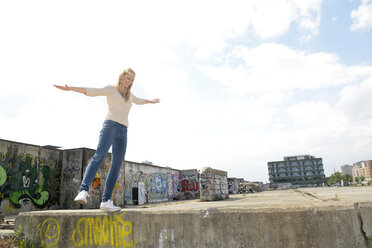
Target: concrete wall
x,y
98,185
71,177
160,183
331,227
30,177
213,184
189,184
39,178
75,162
233,184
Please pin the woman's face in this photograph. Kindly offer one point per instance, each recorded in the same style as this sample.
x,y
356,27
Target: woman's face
x,y
128,80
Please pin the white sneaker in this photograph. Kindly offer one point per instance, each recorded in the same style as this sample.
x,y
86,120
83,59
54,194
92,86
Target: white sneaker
x,y
82,197
109,205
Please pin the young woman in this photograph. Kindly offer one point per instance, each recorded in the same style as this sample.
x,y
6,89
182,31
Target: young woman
x,y
113,133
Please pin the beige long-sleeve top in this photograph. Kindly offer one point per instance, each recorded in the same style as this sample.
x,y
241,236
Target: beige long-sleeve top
x,y
118,109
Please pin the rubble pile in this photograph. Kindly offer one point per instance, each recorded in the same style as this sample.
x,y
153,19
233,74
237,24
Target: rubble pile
x,y
248,187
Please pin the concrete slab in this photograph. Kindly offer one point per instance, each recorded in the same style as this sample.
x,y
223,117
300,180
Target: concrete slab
x,y
291,218
365,209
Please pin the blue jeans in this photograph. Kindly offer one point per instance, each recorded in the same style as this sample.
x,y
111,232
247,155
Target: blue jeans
x,y
115,134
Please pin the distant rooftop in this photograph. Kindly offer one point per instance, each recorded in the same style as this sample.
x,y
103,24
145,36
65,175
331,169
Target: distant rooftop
x,y
51,147
298,157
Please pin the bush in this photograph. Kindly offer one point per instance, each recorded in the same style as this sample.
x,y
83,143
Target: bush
x,y
6,243
22,241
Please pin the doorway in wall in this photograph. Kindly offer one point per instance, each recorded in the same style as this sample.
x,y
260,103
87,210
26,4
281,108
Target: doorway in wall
x,y
135,195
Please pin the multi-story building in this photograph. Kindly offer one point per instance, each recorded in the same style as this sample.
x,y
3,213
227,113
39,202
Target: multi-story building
x,y
356,170
297,170
346,170
368,170
363,169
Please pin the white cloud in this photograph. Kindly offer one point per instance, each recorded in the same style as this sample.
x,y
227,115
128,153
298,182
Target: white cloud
x,y
273,18
308,18
355,100
341,132
272,67
95,33
362,16
265,84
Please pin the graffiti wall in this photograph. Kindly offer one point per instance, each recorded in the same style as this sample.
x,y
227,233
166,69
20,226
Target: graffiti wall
x,y
233,184
105,230
189,184
40,178
30,177
132,180
97,187
160,184
71,177
214,184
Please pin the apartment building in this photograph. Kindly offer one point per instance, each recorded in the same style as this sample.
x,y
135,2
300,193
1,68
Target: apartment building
x,y
346,169
363,169
297,170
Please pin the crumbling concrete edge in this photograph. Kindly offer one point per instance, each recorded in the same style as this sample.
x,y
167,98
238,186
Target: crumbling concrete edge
x,y
362,225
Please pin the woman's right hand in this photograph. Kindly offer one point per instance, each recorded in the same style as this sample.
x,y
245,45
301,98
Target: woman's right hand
x,y
66,87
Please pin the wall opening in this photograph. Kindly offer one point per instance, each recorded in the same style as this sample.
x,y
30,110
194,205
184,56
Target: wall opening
x,y
135,196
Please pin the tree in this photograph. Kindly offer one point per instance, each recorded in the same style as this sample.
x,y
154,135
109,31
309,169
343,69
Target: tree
x,y
348,177
334,178
356,179
337,177
362,178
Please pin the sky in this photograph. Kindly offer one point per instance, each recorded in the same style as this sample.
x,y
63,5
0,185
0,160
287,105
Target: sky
x,y
241,83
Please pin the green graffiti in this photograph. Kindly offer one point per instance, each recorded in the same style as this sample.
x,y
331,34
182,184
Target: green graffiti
x,y
39,198
27,177
2,176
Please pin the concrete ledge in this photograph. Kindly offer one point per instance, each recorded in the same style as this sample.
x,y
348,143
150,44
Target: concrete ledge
x,y
330,226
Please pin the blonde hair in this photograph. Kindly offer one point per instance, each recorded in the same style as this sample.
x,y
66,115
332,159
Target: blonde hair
x,y
124,92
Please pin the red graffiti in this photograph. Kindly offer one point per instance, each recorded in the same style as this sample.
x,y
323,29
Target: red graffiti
x,y
187,186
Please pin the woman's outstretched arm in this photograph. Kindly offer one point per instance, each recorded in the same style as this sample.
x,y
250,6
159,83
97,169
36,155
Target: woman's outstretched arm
x,y
71,88
157,100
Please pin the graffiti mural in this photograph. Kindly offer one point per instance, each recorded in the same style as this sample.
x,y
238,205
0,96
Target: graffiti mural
x,y
141,194
157,186
96,182
206,187
50,233
190,187
71,170
25,178
94,231
96,187
231,186
131,180
157,183
173,189
103,231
